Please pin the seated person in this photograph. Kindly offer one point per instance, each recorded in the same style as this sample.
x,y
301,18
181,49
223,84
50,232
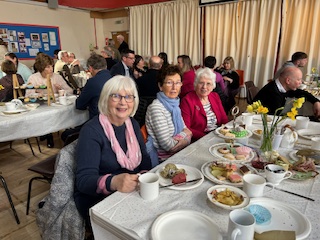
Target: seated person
x,y
139,68
63,59
22,69
232,80
163,119
74,64
9,68
188,74
201,109
102,167
274,94
44,64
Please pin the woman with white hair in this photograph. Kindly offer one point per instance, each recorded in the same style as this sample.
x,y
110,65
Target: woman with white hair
x,y
110,150
201,109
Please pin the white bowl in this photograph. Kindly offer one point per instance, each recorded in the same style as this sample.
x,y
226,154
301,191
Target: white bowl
x,y
32,106
256,133
237,191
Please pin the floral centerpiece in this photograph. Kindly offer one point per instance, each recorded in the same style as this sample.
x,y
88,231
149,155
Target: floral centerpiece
x,y
269,131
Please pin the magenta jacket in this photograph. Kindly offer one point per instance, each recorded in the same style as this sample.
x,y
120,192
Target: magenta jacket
x,y
194,115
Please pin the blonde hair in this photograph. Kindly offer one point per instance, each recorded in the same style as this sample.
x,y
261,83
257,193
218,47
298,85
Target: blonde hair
x,y
230,60
114,85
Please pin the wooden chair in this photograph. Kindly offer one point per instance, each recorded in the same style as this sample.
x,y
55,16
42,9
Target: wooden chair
x,y
248,85
10,199
241,83
252,92
46,168
144,133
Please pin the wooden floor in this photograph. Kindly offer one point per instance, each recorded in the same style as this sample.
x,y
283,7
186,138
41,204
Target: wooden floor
x,y
14,164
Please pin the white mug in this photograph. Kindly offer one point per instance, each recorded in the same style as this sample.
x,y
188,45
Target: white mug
x,y
315,143
61,92
302,122
63,100
253,185
275,173
10,106
149,186
247,119
241,225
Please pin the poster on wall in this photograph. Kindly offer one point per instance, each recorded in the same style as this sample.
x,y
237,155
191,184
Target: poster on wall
x,y
26,41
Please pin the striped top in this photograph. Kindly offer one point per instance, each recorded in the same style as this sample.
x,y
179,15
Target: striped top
x,y
160,127
211,118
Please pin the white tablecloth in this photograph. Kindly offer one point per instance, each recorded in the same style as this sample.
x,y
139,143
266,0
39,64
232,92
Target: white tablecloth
x,y
43,120
114,216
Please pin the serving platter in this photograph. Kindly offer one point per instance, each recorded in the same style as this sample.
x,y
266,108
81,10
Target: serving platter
x,y
191,172
214,150
309,133
283,217
184,224
217,131
293,158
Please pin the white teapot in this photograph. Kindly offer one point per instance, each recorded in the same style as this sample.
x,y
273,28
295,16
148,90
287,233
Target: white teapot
x,y
290,137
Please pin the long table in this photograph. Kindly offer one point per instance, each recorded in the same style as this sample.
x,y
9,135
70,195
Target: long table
x,y
43,120
128,216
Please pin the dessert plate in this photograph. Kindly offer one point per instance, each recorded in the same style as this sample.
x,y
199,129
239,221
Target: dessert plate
x,y
293,158
214,150
283,217
191,172
206,170
309,133
217,131
16,111
184,224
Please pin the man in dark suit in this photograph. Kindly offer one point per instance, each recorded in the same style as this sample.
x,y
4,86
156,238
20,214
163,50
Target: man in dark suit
x,y
124,67
147,84
123,45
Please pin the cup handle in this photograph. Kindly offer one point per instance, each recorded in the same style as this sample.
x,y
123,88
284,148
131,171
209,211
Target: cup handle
x,y
288,175
235,233
271,185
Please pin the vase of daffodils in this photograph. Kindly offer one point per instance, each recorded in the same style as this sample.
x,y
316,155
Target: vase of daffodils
x,y
270,129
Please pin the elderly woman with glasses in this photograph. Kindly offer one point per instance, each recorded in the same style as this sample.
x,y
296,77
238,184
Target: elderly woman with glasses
x,y
163,119
201,109
110,150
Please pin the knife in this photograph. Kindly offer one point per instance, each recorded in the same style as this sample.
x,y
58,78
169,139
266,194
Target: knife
x,y
179,184
296,194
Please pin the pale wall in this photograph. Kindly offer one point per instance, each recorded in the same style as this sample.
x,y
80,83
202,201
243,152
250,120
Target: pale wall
x,y
109,26
76,27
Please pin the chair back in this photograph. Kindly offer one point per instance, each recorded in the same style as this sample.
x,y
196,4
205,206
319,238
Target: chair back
x,y
252,92
141,112
144,133
241,76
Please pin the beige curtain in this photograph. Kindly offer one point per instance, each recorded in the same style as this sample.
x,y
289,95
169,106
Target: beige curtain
x,y
257,36
301,31
248,31
220,31
140,30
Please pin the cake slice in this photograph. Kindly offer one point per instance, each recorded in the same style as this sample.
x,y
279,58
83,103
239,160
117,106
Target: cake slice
x,y
179,178
244,170
235,178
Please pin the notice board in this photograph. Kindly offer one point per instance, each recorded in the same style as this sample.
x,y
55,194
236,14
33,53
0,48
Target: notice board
x,y
27,40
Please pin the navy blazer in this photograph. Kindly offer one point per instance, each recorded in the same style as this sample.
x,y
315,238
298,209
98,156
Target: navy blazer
x,y
118,69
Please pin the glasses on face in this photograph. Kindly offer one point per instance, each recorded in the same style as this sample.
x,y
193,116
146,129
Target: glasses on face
x,y
205,84
117,97
170,83
132,58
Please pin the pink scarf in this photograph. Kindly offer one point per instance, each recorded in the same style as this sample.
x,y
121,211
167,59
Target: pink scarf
x,y
132,158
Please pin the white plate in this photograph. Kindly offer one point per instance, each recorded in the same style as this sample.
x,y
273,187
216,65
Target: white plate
x,y
16,111
295,158
184,224
217,131
57,104
283,217
32,106
236,190
214,151
192,173
309,133
206,170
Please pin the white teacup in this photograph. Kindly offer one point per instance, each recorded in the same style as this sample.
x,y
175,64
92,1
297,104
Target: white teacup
x,y
315,143
275,173
247,119
302,122
61,92
63,100
149,186
253,185
10,106
241,225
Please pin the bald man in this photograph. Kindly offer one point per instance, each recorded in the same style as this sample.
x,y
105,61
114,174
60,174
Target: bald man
x,y
147,84
274,94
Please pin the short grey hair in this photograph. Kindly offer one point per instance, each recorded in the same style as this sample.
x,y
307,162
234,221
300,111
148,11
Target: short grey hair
x,y
206,73
60,54
114,85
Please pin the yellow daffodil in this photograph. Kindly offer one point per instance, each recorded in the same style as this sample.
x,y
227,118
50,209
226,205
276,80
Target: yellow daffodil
x,y
1,87
292,115
314,70
249,108
298,102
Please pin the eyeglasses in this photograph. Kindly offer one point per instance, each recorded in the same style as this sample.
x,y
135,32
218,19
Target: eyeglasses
x,y
169,83
132,58
205,84
117,98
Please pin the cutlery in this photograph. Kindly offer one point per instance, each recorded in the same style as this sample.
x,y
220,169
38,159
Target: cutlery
x,y
179,184
296,194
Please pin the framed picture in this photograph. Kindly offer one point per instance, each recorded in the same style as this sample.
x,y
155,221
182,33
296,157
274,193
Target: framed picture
x,y
45,37
211,2
35,36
